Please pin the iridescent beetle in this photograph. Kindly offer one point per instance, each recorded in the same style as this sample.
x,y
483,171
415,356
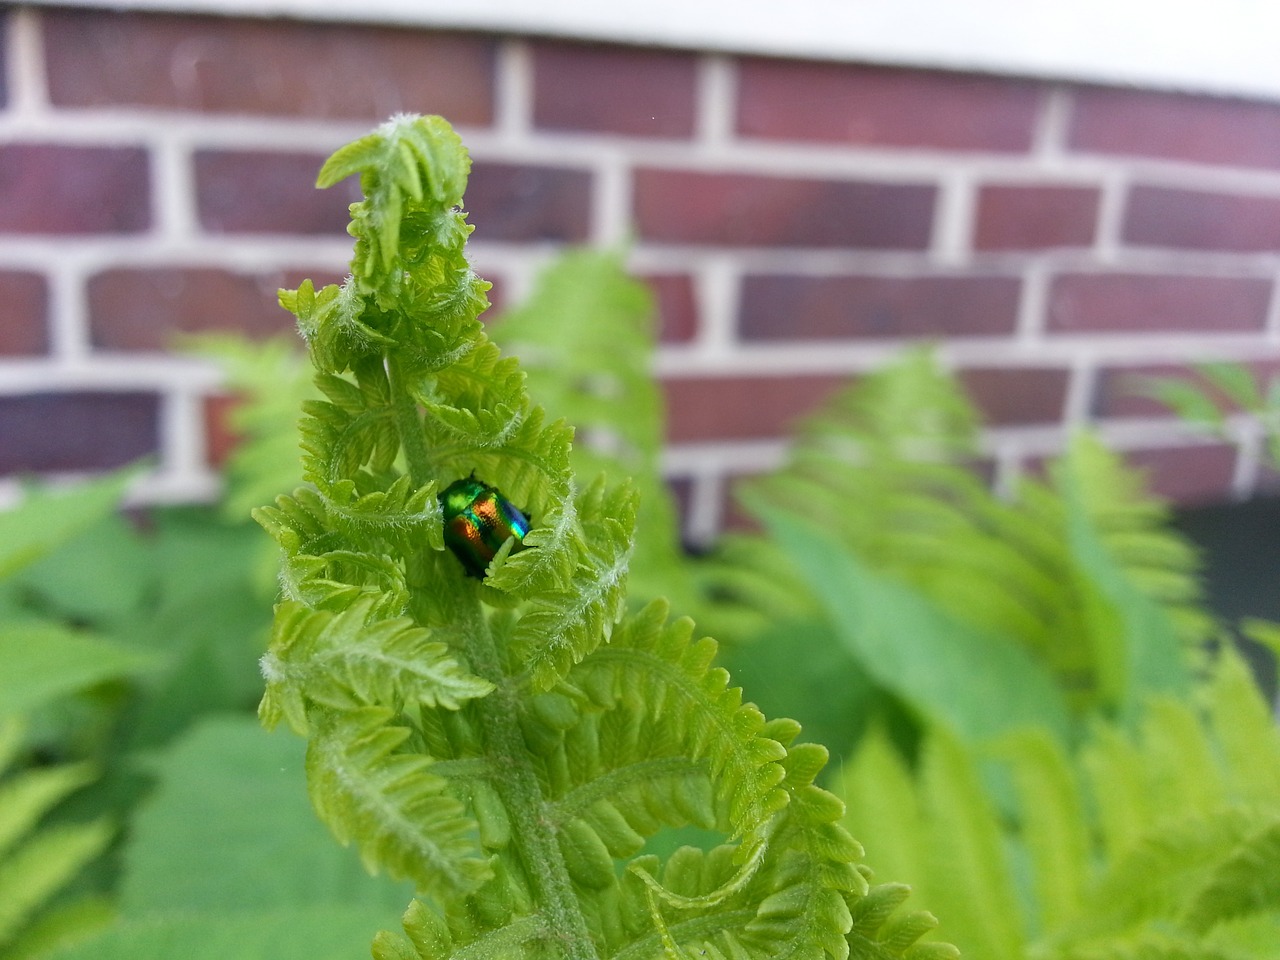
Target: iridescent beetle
x,y
478,520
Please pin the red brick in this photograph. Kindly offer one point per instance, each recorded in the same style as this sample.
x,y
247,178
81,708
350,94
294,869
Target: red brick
x,y
1194,220
267,67
1008,396
1189,476
221,438
685,206
520,202
677,306
59,189
146,309
884,107
1148,303
1174,126
25,327
255,192
741,407
1035,217
45,432
609,89
779,307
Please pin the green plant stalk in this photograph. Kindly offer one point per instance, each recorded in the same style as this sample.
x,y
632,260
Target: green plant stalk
x,y
518,785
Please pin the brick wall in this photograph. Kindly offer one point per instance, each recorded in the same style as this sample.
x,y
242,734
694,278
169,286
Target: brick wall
x,y
798,221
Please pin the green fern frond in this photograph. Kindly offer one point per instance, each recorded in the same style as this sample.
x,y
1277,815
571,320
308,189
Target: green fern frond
x,y
487,731
36,862
347,660
1247,882
396,809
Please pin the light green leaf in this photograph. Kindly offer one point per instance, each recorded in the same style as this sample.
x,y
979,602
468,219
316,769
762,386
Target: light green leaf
x,y
44,865
43,662
48,518
328,932
230,795
978,684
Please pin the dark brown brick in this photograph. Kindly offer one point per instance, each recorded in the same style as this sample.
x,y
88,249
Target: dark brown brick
x,y
145,309
778,307
1172,126
884,107
1189,476
60,189
1150,303
597,88
685,206
24,329
255,192
1035,217
741,407
1009,396
266,67
677,306
519,202
92,430
1194,220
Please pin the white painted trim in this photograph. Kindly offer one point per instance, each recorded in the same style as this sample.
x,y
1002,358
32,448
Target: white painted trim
x,y
1223,46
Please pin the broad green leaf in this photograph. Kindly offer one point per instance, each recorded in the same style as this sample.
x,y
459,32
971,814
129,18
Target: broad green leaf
x,y
324,932
978,684
229,828
43,661
47,518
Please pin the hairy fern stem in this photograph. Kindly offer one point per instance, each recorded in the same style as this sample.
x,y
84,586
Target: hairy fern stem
x,y
516,782
518,785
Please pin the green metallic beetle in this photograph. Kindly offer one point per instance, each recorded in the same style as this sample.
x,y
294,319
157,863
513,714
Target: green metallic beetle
x,y
478,520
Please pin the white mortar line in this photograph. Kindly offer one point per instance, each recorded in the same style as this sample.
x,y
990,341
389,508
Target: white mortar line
x,y
1033,306
1082,383
68,309
953,218
1107,245
28,92
717,287
1049,139
611,188
513,96
173,192
715,104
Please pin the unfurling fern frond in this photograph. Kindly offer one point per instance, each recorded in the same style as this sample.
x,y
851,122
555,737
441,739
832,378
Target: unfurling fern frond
x,y
486,724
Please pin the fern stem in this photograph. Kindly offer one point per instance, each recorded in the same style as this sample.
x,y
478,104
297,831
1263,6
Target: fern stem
x,y
408,423
520,790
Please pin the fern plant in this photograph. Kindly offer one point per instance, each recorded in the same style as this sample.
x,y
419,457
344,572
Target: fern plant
x,y
1073,596
504,741
1218,391
44,663
1156,842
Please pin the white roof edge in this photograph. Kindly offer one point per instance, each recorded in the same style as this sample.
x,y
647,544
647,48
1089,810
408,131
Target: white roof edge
x,y
1223,47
